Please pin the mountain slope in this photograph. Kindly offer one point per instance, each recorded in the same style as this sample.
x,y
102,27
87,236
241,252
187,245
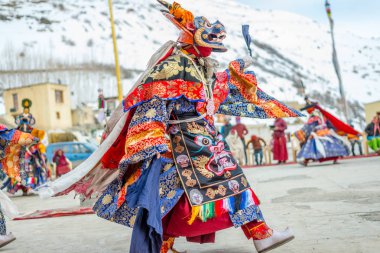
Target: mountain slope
x,y
72,39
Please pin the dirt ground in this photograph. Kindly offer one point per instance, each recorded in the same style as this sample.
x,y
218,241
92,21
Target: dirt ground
x,y
331,208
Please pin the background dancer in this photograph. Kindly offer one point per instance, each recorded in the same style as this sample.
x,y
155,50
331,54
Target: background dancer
x,y
33,171
320,142
13,145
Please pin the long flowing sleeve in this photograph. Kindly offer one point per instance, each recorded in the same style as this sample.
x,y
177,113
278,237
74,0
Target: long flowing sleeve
x,y
244,98
147,132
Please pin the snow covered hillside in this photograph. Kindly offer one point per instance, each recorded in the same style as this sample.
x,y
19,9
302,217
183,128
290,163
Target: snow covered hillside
x,y
71,41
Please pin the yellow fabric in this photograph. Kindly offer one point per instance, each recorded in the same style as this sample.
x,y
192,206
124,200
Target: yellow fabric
x,y
270,106
352,137
40,134
35,132
151,133
245,83
183,16
195,210
11,162
42,148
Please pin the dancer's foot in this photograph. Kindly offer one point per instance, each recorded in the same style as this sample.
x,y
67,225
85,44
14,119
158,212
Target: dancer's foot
x,y
277,239
336,161
6,239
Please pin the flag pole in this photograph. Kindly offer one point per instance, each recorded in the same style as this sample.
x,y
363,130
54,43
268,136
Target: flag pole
x,y
117,66
335,61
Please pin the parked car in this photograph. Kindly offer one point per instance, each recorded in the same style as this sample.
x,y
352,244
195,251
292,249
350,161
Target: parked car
x,y
76,152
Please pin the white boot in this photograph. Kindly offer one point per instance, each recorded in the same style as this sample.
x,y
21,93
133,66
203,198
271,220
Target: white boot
x,y
175,251
5,239
277,239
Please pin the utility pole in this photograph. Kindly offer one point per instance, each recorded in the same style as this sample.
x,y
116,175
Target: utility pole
x,y
336,63
117,66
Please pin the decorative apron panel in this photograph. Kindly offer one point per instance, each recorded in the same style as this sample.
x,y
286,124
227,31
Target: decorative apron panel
x,y
205,164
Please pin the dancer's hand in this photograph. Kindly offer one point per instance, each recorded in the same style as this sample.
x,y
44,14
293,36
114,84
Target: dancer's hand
x,y
158,155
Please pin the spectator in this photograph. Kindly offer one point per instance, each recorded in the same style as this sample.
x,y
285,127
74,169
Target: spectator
x,y
373,134
257,148
226,128
242,131
280,152
355,139
61,163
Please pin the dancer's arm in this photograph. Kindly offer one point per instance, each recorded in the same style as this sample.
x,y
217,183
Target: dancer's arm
x,y
147,132
243,97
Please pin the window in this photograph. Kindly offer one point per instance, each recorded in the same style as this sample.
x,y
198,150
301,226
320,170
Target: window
x,y
58,115
65,148
15,102
58,96
76,149
84,149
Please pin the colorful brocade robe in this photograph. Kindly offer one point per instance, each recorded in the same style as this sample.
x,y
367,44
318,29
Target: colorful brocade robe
x,y
197,160
319,143
15,156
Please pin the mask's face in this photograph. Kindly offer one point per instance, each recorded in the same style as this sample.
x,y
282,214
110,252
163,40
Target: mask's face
x,y
209,35
220,157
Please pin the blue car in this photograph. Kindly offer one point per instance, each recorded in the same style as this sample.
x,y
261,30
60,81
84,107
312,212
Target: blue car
x,y
76,152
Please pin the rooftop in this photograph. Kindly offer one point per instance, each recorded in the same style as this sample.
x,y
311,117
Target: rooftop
x,y
35,84
374,102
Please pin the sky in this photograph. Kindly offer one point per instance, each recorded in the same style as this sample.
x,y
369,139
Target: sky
x,y
362,17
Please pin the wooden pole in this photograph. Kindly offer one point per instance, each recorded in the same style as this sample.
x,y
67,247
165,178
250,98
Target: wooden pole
x,y
294,151
336,63
365,143
337,71
117,66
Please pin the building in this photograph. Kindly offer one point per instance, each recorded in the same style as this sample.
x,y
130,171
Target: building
x,y
50,104
371,109
84,115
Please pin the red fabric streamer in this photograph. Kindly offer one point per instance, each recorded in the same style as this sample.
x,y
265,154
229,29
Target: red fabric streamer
x,y
337,123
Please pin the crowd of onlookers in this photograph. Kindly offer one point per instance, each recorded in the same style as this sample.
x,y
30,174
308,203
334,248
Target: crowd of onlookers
x,y
278,143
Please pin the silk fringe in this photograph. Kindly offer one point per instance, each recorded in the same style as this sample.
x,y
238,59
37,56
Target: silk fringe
x,y
228,205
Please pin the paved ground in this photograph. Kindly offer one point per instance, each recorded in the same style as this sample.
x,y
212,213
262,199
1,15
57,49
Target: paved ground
x,y
331,208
